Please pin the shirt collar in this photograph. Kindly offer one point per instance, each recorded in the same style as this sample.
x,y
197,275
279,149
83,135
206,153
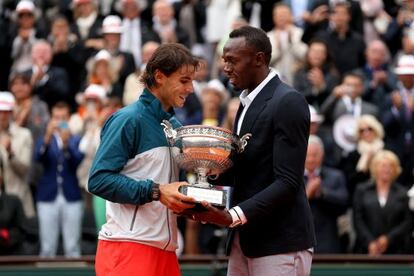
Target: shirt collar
x,y
154,104
247,98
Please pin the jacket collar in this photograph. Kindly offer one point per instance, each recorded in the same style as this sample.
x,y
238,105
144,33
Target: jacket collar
x,y
154,106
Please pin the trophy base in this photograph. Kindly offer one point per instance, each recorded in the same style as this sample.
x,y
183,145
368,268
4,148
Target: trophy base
x,y
217,198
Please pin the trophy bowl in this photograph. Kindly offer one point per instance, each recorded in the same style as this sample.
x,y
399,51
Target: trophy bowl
x,y
206,151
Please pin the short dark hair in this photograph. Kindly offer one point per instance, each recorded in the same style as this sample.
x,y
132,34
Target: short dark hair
x,y
255,38
168,58
357,73
25,78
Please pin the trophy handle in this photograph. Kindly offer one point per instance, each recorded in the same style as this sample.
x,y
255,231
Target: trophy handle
x,y
243,142
169,131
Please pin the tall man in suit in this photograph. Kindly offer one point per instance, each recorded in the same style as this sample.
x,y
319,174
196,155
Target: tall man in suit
x,y
271,227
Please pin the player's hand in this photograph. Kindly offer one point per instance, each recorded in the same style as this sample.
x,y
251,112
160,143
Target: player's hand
x,y
173,199
211,214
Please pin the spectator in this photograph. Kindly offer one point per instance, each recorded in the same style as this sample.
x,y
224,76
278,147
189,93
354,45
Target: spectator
x,y
102,72
69,54
230,116
135,31
59,202
12,220
122,62
346,99
288,50
166,26
398,120
381,215
133,87
327,195
375,18
369,135
346,47
380,80
16,148
317,77
213,97
24,33
50,83
87,25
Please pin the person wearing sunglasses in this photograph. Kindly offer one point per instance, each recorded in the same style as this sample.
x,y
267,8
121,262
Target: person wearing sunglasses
x,y
369,136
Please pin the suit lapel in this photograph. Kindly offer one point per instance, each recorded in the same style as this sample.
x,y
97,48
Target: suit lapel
x,y
236,120
258,105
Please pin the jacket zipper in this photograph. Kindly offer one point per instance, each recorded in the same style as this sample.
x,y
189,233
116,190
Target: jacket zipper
x,y
133,218
169,230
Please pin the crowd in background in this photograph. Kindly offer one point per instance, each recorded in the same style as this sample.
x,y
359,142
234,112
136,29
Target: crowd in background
x,y
66,66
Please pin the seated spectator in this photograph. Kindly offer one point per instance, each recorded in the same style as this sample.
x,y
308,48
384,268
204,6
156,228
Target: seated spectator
x,y
59,202
327,195
288,50
12,220
317,77
16,149
382,218
369,135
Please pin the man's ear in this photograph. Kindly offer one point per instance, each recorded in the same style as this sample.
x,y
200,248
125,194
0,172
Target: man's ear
x,y
159,77
260,59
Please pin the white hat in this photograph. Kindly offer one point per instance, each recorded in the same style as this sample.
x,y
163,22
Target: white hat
x,y
405,65
25,6
315,117
218,86
112,24
95,91
103,55
344,132
7,101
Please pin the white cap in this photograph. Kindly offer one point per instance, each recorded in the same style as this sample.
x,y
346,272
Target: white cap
x,y
25,6
95,91
112,24
7,101
103,55
219,87
405,65
314,116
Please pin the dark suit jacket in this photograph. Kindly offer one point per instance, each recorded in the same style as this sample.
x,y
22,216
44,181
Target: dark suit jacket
x,y
268,176
371,220
326,209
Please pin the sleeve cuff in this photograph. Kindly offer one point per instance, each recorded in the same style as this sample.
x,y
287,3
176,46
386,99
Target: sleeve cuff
x,y
237,216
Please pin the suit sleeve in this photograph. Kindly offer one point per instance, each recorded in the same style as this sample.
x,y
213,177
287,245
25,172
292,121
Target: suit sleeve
x,y
291,132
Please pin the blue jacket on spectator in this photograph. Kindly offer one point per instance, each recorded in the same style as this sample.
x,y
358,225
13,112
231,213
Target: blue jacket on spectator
x,y
59,169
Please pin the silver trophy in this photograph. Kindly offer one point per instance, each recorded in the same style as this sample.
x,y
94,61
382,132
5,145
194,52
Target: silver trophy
x,y
206,151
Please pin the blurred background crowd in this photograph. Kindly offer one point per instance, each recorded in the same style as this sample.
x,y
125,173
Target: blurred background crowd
x,y
66,65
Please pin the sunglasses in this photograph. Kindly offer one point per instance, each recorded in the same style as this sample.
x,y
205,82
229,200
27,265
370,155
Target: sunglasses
x,y
366,129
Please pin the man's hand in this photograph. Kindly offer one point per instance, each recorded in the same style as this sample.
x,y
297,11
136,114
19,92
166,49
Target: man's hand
x,y
173,199
211,214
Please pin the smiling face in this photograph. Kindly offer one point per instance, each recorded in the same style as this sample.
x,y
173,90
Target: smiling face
x,y
173,89
238,63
